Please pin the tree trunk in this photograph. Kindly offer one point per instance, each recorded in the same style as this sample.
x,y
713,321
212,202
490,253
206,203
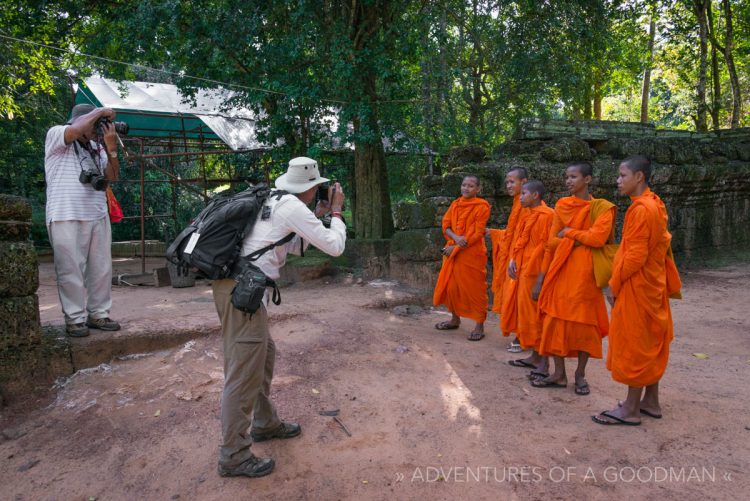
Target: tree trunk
x,y
427,81
728,46
575,110
372,209
443,108
597,99
701,108
372,202
646,89
476,105
715,77
372,205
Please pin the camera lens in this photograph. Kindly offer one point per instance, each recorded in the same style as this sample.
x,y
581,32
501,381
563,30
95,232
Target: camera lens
x,y
122,128
99,183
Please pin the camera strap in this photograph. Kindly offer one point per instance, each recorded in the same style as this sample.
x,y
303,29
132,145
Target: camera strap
x,y
94,158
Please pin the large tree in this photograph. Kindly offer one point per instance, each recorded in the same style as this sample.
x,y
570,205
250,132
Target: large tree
x,y
295,62
727,49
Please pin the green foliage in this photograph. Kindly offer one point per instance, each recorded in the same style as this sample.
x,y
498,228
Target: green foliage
x,y
423,76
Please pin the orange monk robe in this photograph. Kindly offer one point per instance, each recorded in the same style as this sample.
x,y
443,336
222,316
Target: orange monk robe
x,y
502,245
462,283
574,316
521,314
643,278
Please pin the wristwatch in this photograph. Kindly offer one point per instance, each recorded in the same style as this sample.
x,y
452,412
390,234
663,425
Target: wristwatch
x,y
112,154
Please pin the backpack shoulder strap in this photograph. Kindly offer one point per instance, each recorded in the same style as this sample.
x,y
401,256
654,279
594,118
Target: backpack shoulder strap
x,y
278,194
256,254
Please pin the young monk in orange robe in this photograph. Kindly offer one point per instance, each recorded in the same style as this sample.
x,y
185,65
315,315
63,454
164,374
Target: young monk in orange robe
x,y
502,245
574,316
644,276
462,283
524,267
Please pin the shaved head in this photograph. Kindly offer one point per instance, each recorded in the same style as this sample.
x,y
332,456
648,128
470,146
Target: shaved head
x,y
519,172
535,186
585,168
639,163
474,177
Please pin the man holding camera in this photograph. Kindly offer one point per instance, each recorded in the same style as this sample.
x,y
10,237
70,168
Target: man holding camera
x,y
80,160
249,351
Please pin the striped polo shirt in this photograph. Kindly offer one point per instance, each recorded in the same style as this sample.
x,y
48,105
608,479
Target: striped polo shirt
x,y
67,198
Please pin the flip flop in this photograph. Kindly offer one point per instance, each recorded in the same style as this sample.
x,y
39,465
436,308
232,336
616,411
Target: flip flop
x,y
532,375
583,388
616,421
650,414
476,336
541,383
643,411
445,326
521,363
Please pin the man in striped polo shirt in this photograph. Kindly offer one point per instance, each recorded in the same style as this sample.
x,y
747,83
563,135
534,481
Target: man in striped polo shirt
x,y
77,217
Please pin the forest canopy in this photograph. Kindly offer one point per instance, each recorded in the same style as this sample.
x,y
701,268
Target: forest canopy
x,y
429,74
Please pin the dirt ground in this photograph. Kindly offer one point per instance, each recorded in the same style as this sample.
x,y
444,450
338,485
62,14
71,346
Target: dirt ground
x,y
431,415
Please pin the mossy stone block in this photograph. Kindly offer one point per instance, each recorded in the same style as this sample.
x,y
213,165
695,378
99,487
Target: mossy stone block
x,y
468,154
437,186
685,151
19,321
414,215
13,208
14,231
19,273
418,245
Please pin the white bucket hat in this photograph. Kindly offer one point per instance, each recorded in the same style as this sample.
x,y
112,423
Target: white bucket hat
x,y
301,175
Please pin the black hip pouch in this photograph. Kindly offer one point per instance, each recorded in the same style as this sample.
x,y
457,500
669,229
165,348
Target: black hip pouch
x,y
247,295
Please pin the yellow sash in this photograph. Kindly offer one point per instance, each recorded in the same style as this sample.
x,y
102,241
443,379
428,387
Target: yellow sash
x,y
603,257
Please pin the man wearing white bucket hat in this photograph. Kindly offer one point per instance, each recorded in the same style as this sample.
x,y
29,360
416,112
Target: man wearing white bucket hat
x,y
249,351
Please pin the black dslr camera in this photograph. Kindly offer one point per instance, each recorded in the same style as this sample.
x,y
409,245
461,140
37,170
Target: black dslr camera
x,y
120,127
96,180
323,191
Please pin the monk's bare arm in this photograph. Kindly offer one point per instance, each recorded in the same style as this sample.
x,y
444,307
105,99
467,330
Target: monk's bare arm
x,y
597,235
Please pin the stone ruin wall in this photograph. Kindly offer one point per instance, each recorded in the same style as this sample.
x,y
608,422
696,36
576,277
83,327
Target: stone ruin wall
x,y
27,356
704,179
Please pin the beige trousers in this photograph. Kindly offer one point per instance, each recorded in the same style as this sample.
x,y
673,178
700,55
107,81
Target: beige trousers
x,y
249,356
83,265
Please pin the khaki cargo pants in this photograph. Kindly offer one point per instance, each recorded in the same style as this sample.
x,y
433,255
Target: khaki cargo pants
x,y
249,355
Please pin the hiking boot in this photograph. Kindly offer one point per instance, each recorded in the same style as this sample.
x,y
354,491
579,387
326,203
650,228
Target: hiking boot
x,y
284,430
104,324
253,467
77,330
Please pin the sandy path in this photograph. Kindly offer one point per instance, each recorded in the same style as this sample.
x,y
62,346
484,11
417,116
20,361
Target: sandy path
x,y
443,419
